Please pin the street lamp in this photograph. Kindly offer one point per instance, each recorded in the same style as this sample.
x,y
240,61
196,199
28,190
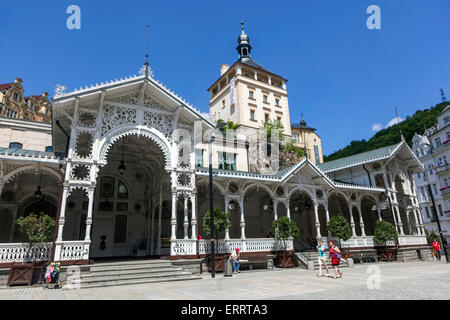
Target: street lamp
x,y
211,204
438,222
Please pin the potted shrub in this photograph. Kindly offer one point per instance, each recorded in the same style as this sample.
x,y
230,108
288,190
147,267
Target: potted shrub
x,y
285,229
222,222
384,232
38,229
339,228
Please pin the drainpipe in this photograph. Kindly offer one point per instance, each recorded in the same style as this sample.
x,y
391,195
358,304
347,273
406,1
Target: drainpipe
x,y
368,175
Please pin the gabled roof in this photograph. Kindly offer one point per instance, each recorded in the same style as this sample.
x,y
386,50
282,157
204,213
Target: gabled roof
x,y
367,157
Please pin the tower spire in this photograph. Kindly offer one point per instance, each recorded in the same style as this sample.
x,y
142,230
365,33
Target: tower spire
x,y
244,48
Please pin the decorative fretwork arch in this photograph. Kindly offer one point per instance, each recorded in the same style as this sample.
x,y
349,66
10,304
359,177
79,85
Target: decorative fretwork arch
x,y
18,171
151,133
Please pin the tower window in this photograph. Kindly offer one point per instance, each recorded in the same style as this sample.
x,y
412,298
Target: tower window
x,y
252,114
244,52
265,98
277,102
15,145
267,117
250,94
15,96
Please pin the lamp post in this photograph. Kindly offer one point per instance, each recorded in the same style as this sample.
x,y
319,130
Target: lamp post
x,y
211,202
438,223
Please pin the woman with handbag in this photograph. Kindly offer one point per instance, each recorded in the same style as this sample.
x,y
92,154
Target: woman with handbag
x,y
335,256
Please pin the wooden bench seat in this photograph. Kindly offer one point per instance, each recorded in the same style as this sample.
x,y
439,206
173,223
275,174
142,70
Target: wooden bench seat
x,y
252,260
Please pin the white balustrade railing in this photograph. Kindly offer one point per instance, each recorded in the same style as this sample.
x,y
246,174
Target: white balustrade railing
x,y
183,247
16,252
248,245
72,251
412,240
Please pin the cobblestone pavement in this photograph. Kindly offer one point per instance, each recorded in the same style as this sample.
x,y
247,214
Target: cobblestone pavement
x,y
420,280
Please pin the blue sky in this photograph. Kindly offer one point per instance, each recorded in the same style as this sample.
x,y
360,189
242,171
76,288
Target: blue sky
x,y
342,76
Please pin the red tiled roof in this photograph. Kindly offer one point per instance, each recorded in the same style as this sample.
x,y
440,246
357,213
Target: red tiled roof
x,y
5,86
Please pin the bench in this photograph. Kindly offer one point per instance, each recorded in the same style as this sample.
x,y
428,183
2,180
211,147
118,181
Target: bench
x,y
367,255
249,261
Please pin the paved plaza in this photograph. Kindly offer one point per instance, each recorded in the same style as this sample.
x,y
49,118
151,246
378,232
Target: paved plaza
x,y
421,280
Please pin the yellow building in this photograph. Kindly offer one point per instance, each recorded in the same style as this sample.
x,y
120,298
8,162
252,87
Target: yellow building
x,y
306,138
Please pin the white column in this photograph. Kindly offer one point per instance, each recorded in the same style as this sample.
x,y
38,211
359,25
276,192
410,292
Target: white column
x,y
399,220
327,212
194,216
352,222
379,213
62,215
241,205
421,222
173,220
186,220
316,216
227,231
151,234
158,245
288,210
361,221
275,210
416,220
89,214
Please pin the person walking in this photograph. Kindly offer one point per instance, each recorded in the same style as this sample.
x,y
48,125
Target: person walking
x,y
437,249
335,256
322,258
235,261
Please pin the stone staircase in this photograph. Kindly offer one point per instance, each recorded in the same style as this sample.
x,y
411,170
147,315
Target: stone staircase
x,y
309,260
130,272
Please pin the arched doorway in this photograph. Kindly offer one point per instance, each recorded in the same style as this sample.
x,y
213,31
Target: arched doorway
x,y
369,214
204,206
258,211
126,197
301,209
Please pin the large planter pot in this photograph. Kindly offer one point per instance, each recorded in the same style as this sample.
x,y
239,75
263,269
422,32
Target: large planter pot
x,y
218,263
285,260
21,274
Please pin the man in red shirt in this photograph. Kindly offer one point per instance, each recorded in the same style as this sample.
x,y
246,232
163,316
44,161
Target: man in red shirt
x,y
437,249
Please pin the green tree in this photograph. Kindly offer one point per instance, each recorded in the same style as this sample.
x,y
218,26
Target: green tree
x,y
290,147
222,222
420,120
230,125
384,232
339,227
431,237
284,229
38,229
270,126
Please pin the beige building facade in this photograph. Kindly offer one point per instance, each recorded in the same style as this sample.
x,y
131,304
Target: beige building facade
x,y
248,94
306,138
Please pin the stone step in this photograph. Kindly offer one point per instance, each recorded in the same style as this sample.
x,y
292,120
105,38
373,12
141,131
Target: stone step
x,y
126,272
112,278
137,281
130,263
142,267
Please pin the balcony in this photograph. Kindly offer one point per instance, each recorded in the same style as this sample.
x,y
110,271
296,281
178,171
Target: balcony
x,y
445,193
442,169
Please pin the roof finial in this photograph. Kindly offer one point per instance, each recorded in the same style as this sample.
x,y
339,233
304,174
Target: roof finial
x,y
146,52
399,127
242,25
